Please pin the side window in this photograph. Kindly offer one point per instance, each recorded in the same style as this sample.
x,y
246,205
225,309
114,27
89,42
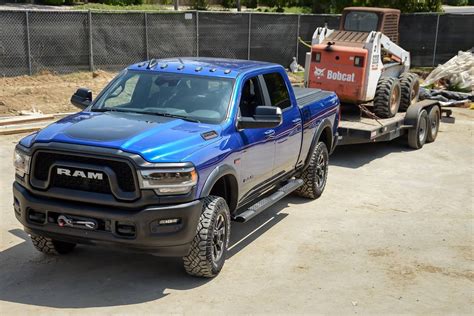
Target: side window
x,y
251,97
277,90
122,94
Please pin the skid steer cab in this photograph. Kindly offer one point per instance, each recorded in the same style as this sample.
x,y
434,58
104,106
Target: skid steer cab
x,y
362,61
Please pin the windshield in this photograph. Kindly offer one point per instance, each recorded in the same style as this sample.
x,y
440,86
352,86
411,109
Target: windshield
x,y
360,21
195,98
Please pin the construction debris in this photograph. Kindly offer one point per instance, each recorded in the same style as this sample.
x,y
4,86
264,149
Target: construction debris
x,y
447,98
457,74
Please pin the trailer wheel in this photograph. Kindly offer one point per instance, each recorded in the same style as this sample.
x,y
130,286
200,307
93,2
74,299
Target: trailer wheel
x,y
50,246
387,97
433,120
208,250
410,90
315,175
418,134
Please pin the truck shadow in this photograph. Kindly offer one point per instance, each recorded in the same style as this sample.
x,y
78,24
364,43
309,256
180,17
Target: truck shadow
x,y
355,156
100,277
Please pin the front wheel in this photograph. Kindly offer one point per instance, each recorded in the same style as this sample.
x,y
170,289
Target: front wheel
x,y
315,175
208,250
50,246
387,97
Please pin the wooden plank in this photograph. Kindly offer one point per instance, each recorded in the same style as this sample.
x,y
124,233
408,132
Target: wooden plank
x,y
19,130
25,119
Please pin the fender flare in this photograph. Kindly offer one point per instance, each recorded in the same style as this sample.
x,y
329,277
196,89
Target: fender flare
x,y
215,175
317,135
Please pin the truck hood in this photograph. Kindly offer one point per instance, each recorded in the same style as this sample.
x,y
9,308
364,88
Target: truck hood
x,y
155,138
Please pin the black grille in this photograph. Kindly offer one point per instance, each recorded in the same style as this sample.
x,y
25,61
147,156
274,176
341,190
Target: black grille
x,y
123,171
79,183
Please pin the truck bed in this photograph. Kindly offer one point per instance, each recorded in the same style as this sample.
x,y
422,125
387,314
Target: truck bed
x,y
304,96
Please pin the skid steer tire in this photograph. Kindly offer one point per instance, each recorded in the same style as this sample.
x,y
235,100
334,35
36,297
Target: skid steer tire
x,y
50,246
410,90
387,97
208,249
315,175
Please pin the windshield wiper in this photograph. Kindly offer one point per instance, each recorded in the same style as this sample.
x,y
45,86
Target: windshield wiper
x,y
183,117
108,109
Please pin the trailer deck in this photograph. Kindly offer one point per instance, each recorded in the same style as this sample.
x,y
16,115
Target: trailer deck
x,y
356,128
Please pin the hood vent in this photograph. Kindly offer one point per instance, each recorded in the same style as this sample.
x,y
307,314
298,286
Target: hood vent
x,y
209,135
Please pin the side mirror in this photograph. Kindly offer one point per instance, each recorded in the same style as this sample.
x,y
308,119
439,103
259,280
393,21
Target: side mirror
x,y
265,117
82,98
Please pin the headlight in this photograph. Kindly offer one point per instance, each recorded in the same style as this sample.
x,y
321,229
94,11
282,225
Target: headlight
x,y
168,181
21,161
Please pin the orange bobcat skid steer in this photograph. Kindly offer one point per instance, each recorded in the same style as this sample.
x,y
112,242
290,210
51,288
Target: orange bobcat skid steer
x,y
362,62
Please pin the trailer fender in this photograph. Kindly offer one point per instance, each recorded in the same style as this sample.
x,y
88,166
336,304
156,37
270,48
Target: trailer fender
x,y
414,110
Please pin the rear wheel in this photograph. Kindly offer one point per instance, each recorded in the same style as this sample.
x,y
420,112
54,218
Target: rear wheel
x,y
410,90
315,175
433,120
50,246
387,97
418,134
208,250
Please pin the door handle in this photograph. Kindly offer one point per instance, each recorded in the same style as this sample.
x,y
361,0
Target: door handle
x,y
269,133
296,121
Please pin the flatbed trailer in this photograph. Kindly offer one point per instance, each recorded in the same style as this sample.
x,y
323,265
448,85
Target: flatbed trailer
x,y
420,121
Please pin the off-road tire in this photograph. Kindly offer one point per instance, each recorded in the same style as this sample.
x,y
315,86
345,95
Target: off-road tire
x,y
387,97
418,134
433,124
314,182
200,261
410,90
50,246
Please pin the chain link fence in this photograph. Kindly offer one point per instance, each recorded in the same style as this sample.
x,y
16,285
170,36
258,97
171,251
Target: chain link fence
x,y
68,41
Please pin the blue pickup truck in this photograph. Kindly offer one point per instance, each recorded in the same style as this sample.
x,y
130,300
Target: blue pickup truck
x,y
169,153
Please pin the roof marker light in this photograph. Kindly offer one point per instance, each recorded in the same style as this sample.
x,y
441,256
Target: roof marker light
x,y
198,69
212,70
227,71
180,67
152,64
163,66
141,64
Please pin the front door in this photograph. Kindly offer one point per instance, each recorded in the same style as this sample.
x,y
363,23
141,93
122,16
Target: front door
x,y
288,134
258,143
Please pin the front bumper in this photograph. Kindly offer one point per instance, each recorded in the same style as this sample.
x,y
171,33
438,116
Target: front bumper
x,y
148,235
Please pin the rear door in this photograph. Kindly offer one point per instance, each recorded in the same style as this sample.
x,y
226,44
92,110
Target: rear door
x,y
288,134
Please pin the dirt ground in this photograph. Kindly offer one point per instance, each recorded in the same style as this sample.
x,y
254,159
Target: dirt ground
x,y
47,92
50,93
392,234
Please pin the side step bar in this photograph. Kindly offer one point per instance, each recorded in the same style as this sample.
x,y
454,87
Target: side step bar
x,y
265,203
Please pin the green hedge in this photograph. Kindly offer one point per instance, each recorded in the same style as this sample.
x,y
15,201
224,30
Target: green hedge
x,y
53,2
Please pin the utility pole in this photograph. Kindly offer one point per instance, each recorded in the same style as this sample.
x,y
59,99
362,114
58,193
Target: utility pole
x,y
238,6
176,5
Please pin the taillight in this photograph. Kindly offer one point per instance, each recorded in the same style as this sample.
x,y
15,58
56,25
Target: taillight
x,y
359,61
317,57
